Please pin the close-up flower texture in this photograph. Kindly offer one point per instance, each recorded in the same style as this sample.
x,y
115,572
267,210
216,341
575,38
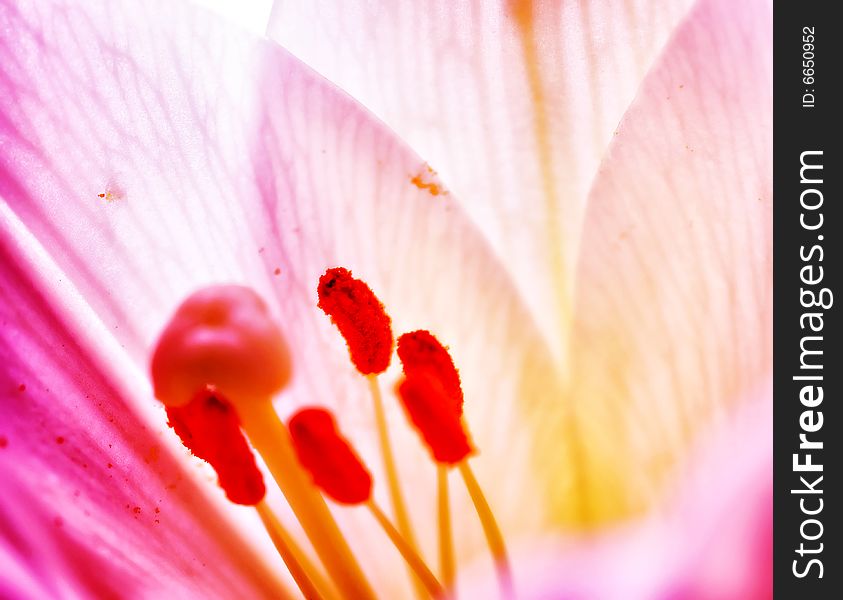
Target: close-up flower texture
x,y
357,299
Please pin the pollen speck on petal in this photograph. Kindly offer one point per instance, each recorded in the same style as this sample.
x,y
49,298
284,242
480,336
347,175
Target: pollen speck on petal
x,y
426,179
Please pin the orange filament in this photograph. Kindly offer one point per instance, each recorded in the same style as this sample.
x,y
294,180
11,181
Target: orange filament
x,y
328,457
421,351
338,471
402,519
494,538
432,413
360,317
446,538
210,428
428,579
272,440
306,575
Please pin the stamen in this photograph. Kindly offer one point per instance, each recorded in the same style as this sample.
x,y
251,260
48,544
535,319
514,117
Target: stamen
x,y
402,519
431,411
446,538
339,472
272,440
420,351
306,575
432,396
360,317
410,556
363,322
224,337
210,429
329,458
494,538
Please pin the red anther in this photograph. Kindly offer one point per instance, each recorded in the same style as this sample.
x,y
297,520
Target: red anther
x,y
208,425
360,317
431,412
420,352
328,457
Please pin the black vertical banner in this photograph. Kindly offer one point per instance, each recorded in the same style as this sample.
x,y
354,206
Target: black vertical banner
x,y
808,371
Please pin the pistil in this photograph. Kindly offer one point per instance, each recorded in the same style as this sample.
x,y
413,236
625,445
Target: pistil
x,y
223,338
272,441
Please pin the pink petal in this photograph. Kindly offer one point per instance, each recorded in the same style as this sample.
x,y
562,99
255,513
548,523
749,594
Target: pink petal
x,y
674,289
94,502
222,159
513,102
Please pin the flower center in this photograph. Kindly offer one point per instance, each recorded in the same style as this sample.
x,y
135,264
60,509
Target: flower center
x,y
216,367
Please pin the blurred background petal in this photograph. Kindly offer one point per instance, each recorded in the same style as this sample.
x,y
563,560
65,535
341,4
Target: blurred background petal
x,y
252,15
674,290
708,538
512,102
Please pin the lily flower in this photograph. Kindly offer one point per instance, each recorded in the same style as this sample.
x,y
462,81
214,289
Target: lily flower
x,y
604,289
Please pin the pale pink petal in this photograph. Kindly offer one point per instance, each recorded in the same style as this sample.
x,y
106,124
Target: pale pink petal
x,y
222,159
673,313
512,102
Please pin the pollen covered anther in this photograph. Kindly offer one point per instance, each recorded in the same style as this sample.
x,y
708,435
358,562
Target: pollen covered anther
x,y
209,427
328,457
421,353
360,317
431,411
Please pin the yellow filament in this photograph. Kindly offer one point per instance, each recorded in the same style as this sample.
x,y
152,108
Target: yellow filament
x,y
490,529
446,539
304,572
411,557
399,508
271,439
